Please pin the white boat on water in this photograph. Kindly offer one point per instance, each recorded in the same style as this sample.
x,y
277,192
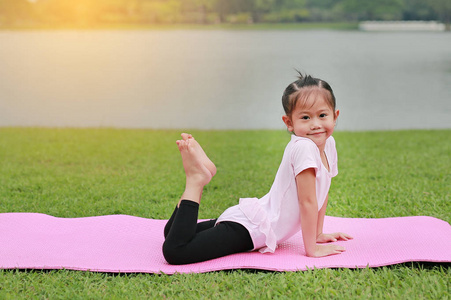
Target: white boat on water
x,y
401,26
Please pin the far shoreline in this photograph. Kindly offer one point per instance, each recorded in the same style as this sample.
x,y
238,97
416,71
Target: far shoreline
x,y
351,26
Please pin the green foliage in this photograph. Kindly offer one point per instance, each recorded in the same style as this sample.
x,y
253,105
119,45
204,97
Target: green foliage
x,y
419,10
86,172
94,13
374,9
443,9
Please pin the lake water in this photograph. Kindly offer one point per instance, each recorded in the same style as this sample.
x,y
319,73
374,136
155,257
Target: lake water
x,y
220,79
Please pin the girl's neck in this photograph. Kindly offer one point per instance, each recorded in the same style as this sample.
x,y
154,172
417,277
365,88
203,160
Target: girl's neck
x,y
324,160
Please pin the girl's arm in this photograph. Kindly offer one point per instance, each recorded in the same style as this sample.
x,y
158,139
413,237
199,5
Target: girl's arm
x,y
321,214
331,237
306,186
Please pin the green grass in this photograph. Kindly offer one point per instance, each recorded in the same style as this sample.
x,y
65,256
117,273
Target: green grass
x,y
86,172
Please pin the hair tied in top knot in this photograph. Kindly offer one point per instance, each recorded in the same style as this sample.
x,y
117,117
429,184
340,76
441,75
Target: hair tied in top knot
x,y
294,91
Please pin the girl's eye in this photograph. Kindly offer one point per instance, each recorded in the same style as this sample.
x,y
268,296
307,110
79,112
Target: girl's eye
x,y
323,115
305,117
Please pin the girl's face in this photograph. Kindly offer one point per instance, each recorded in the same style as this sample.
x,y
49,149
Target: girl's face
x,y
314,119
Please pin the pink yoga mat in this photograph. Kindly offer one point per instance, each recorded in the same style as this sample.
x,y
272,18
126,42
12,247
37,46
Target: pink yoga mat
x,y
121,243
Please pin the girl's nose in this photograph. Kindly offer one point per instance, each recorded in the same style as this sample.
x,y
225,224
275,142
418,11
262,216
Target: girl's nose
x,y
315,124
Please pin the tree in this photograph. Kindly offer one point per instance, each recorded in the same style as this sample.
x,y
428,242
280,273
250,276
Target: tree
x,y
418,10
261,7
374,9
202,7
443,9
224,8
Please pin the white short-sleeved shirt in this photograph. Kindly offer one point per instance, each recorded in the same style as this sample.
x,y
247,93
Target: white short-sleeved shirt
x,y
275,217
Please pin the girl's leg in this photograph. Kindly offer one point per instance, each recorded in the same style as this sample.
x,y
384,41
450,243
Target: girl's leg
x,y
197,173
200,226
200,152
169,223
184,244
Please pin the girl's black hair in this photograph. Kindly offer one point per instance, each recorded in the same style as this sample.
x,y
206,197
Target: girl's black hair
x,y
293,93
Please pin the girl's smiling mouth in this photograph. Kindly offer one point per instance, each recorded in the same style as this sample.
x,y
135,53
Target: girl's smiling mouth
x,y
317,133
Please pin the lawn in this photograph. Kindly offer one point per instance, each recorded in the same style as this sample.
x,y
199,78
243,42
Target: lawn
x,y
87,172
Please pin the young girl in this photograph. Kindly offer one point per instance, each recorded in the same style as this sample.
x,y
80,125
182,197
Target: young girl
x,y
297,199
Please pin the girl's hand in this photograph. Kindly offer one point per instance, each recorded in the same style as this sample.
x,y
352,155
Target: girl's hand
x,y
325,250
332,237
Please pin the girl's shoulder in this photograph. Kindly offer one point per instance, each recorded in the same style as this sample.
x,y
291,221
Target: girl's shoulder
x,y
307,146
302,147
306,141
330,142
301,140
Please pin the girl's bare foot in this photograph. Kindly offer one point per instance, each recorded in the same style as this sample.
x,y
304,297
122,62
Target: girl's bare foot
x,y
204,158
197,174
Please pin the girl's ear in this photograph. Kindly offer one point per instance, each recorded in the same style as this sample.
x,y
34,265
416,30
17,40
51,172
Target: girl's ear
x,y
287,120
337,113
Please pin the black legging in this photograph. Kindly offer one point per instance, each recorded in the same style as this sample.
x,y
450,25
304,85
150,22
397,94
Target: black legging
x,y
187,241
